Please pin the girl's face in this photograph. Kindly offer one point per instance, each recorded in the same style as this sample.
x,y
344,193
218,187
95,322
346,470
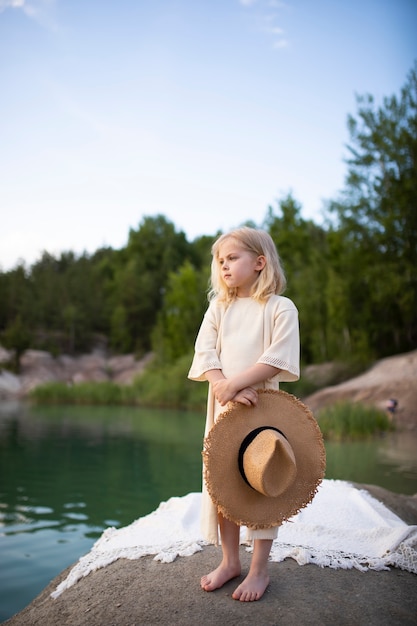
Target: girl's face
x,y
239,267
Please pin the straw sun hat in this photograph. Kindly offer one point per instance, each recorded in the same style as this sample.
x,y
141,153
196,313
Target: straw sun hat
x,y
263,463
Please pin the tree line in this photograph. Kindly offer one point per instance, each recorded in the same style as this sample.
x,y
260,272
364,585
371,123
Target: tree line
x,y
353,277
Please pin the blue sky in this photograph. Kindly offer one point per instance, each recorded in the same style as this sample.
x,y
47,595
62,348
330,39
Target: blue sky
x,y
206,111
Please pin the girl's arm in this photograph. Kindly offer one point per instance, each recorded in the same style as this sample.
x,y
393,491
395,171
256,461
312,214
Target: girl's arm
x,y
226,389
246,395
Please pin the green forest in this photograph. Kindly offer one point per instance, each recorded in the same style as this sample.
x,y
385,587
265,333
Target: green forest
x,y
353,277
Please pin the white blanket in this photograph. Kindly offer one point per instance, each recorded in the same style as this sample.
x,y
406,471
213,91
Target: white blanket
x,y
343,527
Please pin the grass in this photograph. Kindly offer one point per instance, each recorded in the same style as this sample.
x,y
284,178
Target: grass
x,y
104,393
348,420
161,387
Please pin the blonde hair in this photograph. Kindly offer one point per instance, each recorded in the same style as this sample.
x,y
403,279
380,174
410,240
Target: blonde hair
x,y
271,279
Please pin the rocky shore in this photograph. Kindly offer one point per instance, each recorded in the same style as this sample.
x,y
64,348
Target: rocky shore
x,y
393,377
39,367
145,592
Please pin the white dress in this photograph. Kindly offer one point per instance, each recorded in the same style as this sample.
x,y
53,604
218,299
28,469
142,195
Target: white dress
x,y
232,338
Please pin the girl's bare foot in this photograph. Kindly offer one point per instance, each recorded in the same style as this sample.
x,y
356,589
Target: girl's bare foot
x,y
218,577
252,588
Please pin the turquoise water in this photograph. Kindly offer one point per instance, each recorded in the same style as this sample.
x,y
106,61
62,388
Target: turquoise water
x,y
66,473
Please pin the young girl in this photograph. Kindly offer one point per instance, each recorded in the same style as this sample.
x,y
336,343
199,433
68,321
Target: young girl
x,y
248,340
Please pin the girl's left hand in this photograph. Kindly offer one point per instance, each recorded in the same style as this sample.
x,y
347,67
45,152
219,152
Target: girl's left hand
x,y
222,391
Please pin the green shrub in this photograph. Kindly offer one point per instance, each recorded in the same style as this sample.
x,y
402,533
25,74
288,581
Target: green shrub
x,y
348,420
168,386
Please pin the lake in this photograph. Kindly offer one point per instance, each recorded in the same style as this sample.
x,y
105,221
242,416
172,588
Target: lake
x,y
67,473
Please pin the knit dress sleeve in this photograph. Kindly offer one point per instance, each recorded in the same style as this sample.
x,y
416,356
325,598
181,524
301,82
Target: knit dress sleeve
x,y
206,355
282,340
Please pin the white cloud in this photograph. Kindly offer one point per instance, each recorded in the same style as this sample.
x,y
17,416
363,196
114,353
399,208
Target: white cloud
x,y
14,4
277,4
276,30
266,20
280,43
37,10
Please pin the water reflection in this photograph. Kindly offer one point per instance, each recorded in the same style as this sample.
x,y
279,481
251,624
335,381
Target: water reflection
x,y
400,452
117,464
389,461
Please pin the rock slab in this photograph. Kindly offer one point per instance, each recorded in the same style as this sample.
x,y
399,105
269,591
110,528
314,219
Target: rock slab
x,y
145,593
